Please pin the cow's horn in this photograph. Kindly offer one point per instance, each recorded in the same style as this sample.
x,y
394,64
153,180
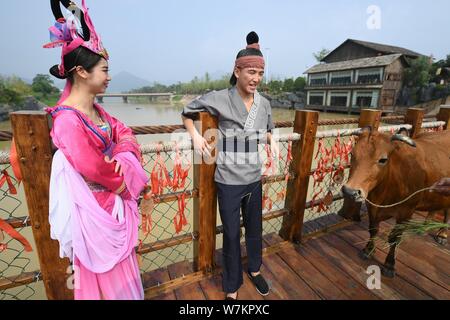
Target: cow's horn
x,y
405,139
363,130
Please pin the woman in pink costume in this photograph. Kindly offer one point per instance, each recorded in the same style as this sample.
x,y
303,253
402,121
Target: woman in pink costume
x,y
97,175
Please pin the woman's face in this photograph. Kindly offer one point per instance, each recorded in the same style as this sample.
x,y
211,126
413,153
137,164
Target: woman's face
x,y
98,79
248,79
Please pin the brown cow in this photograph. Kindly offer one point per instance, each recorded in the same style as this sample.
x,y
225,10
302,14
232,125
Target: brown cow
x,y
387,169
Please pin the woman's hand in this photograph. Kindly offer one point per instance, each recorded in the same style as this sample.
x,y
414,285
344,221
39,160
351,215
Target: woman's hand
x,y
118,168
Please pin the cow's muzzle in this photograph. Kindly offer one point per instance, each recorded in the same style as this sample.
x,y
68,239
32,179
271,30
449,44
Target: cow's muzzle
x,y
353,194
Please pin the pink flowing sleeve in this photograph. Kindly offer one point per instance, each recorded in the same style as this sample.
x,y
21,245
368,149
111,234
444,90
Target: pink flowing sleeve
x,y
125,139
71,138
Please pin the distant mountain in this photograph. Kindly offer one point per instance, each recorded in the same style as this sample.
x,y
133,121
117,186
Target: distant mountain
x,y
125,81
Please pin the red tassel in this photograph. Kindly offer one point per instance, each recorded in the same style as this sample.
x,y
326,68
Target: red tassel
x,y
15,235
180,218
6,178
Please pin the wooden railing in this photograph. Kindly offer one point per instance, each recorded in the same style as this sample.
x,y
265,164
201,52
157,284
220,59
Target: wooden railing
x,y
34,148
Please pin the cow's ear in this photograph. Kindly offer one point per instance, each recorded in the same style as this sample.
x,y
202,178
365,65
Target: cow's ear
x,y
403,132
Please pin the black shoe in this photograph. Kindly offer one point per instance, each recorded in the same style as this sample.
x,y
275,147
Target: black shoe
x,y
227,297
260,283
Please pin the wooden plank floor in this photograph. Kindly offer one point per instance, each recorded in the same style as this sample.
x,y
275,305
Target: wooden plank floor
x,y
326,267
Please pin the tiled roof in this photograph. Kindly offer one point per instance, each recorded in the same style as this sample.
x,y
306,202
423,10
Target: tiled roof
x,y
379,61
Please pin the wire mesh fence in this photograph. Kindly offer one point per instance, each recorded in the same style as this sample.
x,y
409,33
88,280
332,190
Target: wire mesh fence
x,y
330,170
164,214
274,193
16,265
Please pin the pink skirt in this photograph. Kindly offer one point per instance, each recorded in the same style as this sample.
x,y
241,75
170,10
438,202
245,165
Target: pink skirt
x,y
123,282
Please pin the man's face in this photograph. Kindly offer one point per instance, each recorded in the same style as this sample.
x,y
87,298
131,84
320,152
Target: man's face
x,y
248,79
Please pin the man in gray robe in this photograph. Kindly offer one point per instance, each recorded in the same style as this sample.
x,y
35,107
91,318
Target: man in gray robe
x,y
245,120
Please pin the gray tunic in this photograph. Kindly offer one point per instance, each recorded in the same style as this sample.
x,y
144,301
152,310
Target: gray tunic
x,y
240,132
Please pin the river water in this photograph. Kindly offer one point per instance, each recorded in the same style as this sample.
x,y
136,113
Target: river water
x,y
14,261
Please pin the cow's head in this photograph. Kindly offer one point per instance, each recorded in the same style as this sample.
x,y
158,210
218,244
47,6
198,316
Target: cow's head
x,y
369,164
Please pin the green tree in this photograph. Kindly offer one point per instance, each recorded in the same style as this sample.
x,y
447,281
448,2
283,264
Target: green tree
x,y
43,85
13,90
288,85
275,86
299,84
418,74
319,55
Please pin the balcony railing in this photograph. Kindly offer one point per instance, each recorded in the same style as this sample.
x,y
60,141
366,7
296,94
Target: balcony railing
x,y
346,84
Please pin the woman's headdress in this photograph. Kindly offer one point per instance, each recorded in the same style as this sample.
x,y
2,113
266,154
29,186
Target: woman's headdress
x,y
71,32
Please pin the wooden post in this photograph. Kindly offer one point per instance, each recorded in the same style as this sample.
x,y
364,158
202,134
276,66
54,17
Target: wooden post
x,y
205,206
414,117
370,118
444,115
34,151
297,190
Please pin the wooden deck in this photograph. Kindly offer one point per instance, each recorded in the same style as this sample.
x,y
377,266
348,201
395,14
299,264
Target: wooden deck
x,y
325,267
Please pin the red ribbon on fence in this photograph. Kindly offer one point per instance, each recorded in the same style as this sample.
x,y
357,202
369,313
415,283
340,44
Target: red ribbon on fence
x,y
270,164
160,179
180,217
159,176
14,161
4,226
266,201
282,194
179,173
6,178
147,205
340,151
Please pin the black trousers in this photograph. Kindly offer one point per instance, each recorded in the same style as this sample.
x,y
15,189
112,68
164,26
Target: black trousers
x,y
232,199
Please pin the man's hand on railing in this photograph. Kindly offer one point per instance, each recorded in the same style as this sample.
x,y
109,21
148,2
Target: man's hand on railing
x,y
201,146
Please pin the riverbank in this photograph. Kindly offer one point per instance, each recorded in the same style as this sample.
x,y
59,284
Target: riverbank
x,y
29,103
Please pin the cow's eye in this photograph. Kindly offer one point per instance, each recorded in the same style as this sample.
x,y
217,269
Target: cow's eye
x,y
383,161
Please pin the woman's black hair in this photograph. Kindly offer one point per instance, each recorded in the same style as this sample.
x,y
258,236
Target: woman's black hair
x,y
82,57
252,38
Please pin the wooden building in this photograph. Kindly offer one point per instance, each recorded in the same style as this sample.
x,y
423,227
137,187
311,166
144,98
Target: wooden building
x,y
357,75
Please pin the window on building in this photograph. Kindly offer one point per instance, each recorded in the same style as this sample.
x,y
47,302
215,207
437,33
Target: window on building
x,y
339,99
369,76
365,99
319,79
341,78
316,98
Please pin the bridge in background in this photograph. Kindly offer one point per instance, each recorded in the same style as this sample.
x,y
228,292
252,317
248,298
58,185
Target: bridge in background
x,y
152,97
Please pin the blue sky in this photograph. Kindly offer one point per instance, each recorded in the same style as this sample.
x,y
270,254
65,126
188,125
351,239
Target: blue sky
x,y
169,41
